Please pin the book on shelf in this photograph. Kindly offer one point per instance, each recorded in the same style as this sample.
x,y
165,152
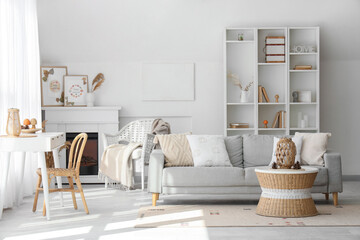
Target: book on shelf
x,y
262,94
302,67
276,120
260,100
265,94
279,120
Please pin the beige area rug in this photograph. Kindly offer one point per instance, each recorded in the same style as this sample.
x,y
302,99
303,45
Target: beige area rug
x,y
240,216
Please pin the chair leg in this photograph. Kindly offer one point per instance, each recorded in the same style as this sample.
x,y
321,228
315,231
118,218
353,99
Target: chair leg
x,y
155,197
326,196
78,184
142,175
335,198
106,182
44,206
37,193
71,183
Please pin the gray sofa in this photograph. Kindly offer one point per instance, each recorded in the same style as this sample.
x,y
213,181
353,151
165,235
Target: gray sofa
x,y
246,153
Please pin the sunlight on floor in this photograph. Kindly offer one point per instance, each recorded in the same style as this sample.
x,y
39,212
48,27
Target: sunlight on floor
x,y
64,220
160,233
53,234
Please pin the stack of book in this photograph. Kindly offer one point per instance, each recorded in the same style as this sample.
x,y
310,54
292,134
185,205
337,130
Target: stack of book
x,y
302,67
279,120
275,49
262,92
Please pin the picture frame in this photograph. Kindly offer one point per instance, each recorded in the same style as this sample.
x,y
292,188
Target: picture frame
x,y
304,96
75,90
52,85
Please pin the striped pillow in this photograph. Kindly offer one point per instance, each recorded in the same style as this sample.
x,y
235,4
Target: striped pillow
x,y
176,149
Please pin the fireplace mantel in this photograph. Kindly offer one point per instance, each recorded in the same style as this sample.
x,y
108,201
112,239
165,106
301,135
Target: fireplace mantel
x,y
99,119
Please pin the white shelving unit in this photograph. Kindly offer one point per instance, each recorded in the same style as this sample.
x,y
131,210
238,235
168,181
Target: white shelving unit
x,y
246,59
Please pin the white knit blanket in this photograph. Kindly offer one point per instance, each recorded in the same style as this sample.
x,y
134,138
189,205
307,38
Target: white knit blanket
x,y
117,165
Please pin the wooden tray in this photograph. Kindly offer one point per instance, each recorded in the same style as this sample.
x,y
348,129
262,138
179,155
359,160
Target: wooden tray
x,y
31,131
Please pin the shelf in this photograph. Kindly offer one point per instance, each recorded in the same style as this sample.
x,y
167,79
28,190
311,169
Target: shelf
x,y
303,103
239,104
270,103
240,129
299,54
237,41
304,129
270,64
306,71
272,129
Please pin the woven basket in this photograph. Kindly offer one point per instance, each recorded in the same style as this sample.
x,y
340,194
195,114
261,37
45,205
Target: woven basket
x,y
286,207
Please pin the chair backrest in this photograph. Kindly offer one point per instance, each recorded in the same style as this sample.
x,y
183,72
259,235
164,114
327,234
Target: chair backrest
x,y
136,131
76,151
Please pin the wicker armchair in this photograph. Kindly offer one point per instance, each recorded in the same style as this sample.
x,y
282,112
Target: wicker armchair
x,y
136,131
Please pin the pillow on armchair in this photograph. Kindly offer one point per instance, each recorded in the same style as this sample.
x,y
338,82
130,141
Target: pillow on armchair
x,y
209,151
176,149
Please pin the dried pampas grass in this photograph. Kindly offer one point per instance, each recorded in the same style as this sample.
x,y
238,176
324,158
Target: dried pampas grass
x,y
97,82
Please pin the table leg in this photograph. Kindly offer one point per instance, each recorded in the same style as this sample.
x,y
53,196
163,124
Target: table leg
x,y
58,179
21,182
4,181
45,183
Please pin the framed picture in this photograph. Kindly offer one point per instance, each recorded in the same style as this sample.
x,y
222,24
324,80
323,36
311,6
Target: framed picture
x,y
52,87
75,89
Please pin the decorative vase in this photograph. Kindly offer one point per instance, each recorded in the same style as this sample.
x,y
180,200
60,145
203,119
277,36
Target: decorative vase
x,y
285,153
13,126
90,99
244,96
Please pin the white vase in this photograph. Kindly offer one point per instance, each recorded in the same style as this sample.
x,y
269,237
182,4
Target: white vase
x,y
90,99
244,96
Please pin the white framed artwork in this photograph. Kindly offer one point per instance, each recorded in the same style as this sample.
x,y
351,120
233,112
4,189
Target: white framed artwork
x,y
168,81
52,87
75,90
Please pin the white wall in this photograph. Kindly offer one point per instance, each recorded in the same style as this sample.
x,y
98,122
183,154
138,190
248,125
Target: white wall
x,y
115,36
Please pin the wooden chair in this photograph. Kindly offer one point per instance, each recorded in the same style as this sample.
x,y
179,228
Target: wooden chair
x,y
71,172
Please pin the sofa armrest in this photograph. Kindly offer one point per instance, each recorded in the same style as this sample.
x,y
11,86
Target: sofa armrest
x,y
156,166
333,164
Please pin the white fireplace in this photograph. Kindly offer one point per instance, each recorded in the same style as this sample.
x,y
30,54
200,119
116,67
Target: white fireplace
x,y
92,120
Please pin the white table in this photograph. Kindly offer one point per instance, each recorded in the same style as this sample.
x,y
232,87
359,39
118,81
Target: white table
x,y
43,142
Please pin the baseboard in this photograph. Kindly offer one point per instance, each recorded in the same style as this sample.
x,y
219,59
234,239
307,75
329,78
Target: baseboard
x,y
351,177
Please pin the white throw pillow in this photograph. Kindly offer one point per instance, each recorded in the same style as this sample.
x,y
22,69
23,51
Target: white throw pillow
x,y
208,151
298,143
314,147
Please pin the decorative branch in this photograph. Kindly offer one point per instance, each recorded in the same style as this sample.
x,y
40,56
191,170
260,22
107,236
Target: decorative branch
x,y
236,81
97,82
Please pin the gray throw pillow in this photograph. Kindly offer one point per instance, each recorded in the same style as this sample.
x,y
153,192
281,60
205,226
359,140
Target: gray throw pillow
x,y
234,147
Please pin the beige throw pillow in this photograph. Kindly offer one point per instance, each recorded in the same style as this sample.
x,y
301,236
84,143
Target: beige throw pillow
x,y
313,147
176,149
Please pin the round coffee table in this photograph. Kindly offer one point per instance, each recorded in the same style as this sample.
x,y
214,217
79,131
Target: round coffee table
x,y
286,192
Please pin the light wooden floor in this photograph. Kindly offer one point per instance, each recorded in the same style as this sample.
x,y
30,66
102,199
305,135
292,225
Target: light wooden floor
x,y
113,213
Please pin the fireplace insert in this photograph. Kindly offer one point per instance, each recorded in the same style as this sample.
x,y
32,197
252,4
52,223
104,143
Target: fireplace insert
x,y
89,161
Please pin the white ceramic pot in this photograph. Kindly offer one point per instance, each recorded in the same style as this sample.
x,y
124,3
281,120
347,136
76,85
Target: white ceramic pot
x,y
90,99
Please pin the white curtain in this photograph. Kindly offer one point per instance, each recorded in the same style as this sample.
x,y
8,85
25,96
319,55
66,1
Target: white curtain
x,y
19,84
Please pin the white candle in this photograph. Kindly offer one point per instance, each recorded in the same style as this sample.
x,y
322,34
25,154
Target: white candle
x,y
299,119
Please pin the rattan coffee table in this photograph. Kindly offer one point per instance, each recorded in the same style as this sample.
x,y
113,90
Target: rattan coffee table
x,y
286,192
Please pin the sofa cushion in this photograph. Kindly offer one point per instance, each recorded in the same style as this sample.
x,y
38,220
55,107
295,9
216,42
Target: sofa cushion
x,y
203,176
176,149
320,180
234,147
209,151
257,150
